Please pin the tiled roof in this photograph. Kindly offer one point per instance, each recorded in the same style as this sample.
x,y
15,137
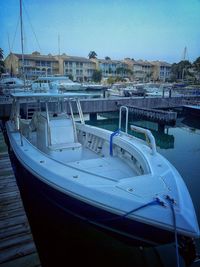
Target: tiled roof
x,y
161,63
37,57
76,59
109,61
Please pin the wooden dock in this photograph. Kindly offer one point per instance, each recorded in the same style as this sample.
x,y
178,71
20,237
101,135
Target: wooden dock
x,y
160,116
17,248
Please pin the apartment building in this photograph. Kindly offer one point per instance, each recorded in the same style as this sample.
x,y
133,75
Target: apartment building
x,y
141,70
161,70
145,71
111,68
80,68
35,64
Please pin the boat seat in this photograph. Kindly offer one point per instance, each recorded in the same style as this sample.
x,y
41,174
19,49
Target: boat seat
x,y
74,145
62,135
61,131
24,126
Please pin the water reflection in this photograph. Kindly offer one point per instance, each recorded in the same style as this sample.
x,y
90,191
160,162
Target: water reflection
x,y
163,138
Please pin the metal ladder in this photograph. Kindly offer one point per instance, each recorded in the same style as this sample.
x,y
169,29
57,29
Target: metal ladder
x,y
80,112
30,109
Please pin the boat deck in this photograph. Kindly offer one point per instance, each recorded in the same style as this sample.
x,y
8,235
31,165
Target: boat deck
x,y
107,167
16,242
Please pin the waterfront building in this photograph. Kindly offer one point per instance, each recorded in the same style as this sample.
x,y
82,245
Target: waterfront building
x,y
111,68
80,68
35,65
146,71
142,70
161,70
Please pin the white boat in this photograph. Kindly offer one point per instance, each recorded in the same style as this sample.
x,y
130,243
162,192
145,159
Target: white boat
x,y
62,83
11,85
93,86
111,180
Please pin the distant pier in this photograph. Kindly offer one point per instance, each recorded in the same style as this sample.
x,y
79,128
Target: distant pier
x,y
160,116
193,109
101,105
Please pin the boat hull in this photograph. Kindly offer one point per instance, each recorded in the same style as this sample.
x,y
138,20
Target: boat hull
x,y
35,190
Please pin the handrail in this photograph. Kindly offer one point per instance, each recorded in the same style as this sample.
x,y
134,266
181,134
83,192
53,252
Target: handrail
x,y
48,125
80,110
73,120
111,141
120,118
149,137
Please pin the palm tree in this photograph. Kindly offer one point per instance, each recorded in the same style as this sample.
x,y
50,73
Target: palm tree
x,y
2,67
97,76
92,54
1,54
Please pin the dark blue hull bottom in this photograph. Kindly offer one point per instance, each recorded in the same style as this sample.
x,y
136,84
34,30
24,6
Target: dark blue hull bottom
x,y
60,222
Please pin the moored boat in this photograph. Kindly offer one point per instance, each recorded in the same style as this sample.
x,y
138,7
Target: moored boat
x,y
110,180
63,83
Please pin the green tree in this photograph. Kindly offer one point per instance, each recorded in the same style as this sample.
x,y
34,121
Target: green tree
x,y
181,69
92,54
124,71
70,76
97,76
107,58
2,66
196,65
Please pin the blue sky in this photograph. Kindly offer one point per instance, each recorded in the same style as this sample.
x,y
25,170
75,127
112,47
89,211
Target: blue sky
x,y
139,29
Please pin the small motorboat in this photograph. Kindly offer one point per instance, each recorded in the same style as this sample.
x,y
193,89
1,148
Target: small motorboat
x,y
9,85
111,180
63,83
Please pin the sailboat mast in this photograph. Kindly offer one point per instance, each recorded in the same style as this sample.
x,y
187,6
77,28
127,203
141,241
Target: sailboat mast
x,y
22,40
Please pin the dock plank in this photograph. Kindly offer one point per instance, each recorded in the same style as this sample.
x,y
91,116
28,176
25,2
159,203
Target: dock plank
x,y
17,248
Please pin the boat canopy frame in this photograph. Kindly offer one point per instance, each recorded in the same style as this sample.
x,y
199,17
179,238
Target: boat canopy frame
x,y
59,101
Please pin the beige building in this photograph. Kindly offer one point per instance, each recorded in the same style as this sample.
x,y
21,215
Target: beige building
x,y
141,70
111,68
35,64
81,68
161,70
146,71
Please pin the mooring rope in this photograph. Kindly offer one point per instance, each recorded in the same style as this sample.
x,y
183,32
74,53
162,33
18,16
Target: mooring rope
x,y
172,202
156,201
